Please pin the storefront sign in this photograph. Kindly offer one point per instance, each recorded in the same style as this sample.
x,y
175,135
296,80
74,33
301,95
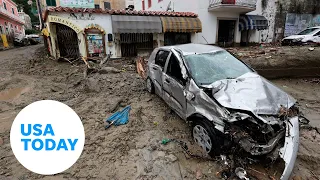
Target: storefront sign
x,y
66,22
77,3
95,26
95,45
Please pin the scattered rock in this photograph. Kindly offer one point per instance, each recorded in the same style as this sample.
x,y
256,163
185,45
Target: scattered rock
x,y
273,50
125,130
160,154
311,49
172,158
198,174
106,70
297,178
92,85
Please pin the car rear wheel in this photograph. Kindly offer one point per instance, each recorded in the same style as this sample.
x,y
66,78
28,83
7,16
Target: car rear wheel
x,y
150,86
206,137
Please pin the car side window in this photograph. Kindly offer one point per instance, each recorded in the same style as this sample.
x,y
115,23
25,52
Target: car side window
x,y
317,34
161,58
174,70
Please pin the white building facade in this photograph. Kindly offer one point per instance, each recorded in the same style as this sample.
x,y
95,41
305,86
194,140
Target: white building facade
x,y
224,22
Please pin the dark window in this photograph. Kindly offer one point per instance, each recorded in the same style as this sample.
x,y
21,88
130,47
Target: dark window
x,y
51,2
174,69
161,58
176,38
1,30
107,5
12,11
143,5
4,5
149,3
96,6
317,34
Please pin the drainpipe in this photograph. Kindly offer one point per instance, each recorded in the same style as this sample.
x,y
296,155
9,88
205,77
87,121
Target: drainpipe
x,y
40,13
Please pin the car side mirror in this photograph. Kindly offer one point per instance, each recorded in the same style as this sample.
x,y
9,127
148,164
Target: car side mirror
x,y
189,95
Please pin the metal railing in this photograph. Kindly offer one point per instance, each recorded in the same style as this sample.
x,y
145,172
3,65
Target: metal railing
x,y
246,3
9,14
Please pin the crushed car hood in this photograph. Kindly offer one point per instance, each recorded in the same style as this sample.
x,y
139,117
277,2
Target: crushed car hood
x,y
251,92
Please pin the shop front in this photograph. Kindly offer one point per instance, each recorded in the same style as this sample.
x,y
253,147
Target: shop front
x,y
75,33
136,35
97,33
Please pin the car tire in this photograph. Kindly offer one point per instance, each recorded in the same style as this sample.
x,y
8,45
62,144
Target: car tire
x,y
203,132
150,86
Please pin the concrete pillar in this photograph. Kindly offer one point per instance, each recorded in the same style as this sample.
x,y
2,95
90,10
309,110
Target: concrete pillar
x,y
53,36
82,44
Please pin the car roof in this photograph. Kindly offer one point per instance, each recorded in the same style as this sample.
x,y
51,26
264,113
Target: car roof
x,y
194,48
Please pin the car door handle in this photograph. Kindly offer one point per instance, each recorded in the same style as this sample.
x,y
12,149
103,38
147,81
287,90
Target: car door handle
x,y
154,68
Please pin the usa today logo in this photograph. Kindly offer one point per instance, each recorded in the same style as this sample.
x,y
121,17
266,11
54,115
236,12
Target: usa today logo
x,y
47,137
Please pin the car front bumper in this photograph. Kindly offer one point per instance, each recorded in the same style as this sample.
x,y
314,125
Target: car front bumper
x,y
290,149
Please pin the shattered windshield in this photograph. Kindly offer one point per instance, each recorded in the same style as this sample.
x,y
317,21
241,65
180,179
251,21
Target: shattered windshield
x,y
307,31
210,67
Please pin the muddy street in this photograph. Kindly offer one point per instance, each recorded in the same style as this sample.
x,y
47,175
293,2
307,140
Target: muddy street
x,y
134,150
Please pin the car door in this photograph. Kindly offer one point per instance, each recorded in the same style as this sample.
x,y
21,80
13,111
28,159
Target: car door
x,y
174,85
157,69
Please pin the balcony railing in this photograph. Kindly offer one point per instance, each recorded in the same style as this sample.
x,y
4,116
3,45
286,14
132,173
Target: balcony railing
x,y
242,3
10,15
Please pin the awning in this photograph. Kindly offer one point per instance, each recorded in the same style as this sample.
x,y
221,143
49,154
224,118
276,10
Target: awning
x,y
181,24
136,24
250,22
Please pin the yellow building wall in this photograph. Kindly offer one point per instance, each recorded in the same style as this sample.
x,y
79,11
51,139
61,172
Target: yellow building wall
x,y
115,4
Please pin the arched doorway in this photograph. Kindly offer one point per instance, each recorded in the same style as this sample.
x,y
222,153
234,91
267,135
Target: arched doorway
x,y
67,41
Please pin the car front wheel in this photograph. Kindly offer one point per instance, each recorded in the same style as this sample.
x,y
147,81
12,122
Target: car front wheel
x,y
206,137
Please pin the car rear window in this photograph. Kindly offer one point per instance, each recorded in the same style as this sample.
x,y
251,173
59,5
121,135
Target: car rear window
x,y
308,31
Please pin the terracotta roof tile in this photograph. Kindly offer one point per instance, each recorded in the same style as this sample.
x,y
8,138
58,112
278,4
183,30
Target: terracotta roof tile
x,y
119,12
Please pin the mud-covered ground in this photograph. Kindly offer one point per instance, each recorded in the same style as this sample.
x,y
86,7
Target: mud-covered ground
x,y
131,151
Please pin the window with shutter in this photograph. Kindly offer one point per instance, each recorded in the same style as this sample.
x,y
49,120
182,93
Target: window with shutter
x,y
107,5
51,2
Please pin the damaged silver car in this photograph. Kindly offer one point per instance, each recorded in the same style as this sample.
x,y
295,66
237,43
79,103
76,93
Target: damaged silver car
x,y
232,109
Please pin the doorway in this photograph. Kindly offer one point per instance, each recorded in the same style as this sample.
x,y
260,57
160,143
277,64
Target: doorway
x,y
226,32
67,41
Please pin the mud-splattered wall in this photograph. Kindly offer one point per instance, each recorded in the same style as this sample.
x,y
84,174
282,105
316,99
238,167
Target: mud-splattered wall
x,y
294,15
295,23
268,8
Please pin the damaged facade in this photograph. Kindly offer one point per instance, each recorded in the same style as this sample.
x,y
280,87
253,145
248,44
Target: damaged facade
x,y
228,22
286,17
225,22
96,33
